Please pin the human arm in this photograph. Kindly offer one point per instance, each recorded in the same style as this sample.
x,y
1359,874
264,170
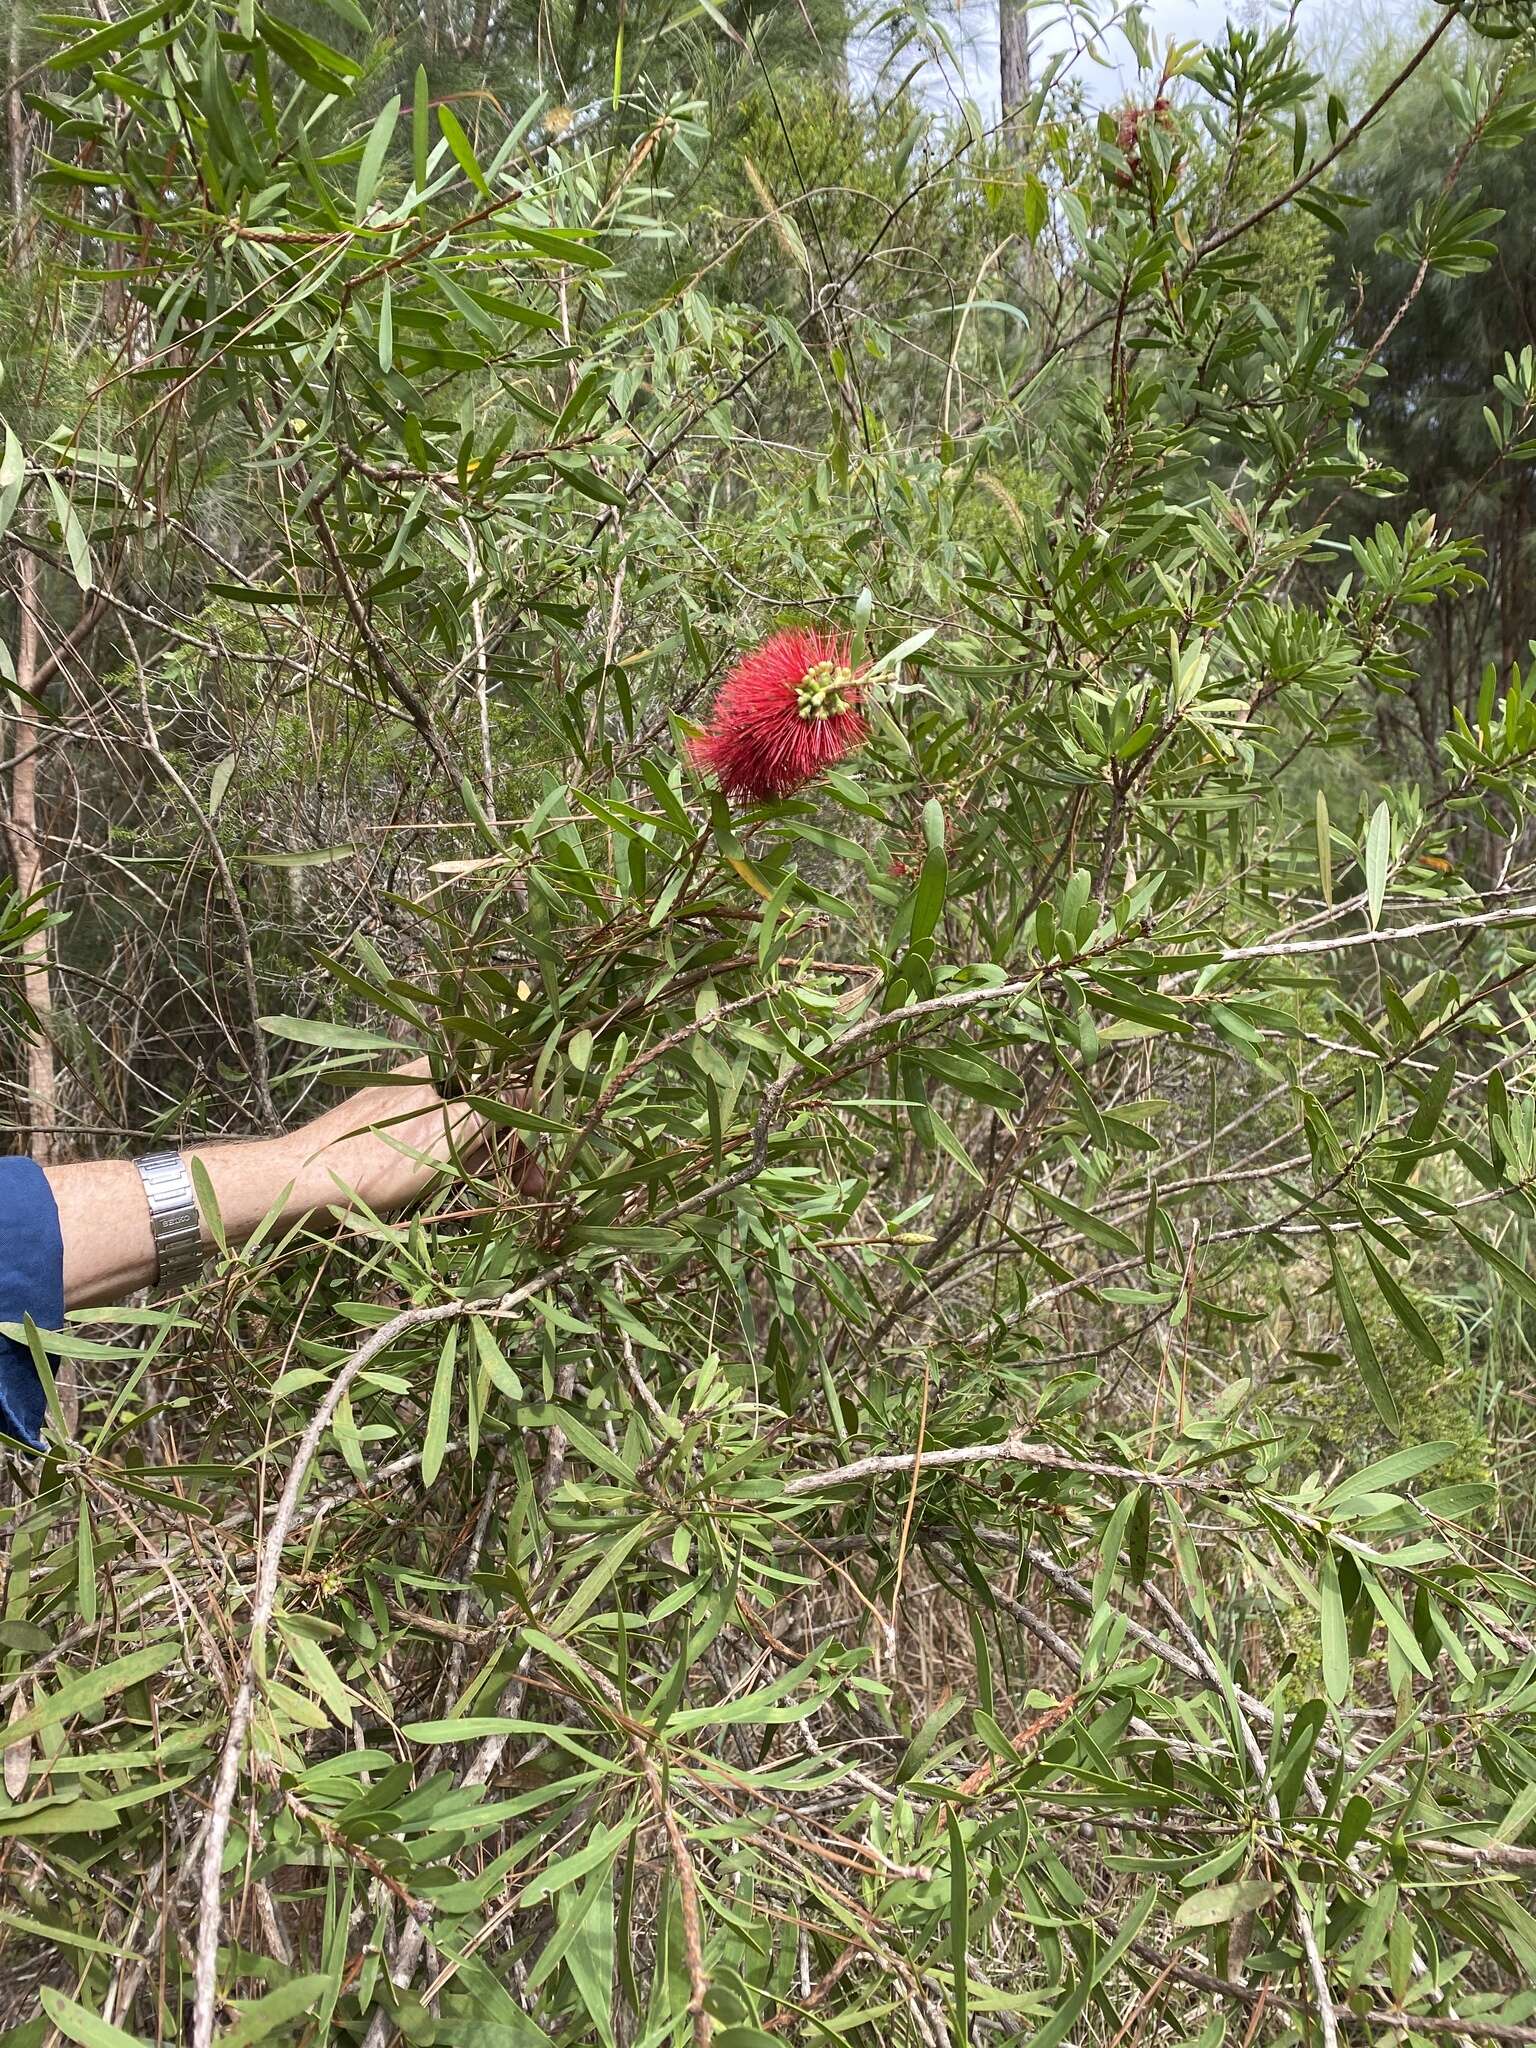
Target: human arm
x,y
381,1148
79,1236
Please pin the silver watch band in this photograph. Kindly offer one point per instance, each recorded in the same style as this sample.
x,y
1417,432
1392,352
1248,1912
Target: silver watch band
x,y
175,1220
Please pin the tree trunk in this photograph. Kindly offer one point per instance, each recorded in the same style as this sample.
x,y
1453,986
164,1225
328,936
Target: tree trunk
x,y
1013,56
25,835
14,132
27,864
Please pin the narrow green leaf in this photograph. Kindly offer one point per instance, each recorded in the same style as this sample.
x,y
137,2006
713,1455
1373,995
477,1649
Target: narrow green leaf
x,y
599,1851
1384,1475
1402,1307
1356,1818
597,1581
895,656
420,105
349,12
773,910
322,1675
386,329
1360,1343
1335,1631
1497,1112
1394,1621
115,36
75,544
469,308
91,1688
459,143
928,899
218,784
1522,1811
1094,1228
959,1922
1220,1903
320,64
1111,1546
13,477
439,1413
323,1032
1513,1275
1426,1117
85,1567
725,27
287,2002
43,1817
561,243
473,1728
1065,2016
75,2023
1378,848
372,162
1138,1536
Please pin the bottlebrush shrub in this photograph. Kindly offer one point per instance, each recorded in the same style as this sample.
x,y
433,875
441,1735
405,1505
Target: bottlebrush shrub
x,y
829,1566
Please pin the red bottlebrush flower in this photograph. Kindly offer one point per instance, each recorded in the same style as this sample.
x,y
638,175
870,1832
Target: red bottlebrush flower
x,y
785,712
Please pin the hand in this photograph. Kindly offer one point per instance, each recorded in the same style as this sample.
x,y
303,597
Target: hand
x,y
389,1143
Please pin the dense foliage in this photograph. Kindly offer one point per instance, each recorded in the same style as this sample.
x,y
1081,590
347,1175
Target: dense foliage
x,y
981,1498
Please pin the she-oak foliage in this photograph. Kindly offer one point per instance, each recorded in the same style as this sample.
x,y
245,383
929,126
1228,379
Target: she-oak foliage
x,y
847,1559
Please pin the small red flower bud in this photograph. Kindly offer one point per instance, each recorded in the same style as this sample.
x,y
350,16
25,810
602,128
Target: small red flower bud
x,y
1134,121
786,711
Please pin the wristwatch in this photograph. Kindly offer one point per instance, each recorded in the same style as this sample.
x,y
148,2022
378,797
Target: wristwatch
x,y
175,1221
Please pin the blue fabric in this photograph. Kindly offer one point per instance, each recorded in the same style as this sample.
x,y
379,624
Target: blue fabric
x,y
31,1284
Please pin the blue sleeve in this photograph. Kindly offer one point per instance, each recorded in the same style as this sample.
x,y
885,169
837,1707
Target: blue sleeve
x,y
31,1284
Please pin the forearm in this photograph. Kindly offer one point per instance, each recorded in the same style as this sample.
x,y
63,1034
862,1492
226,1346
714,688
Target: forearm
x,y
379,1150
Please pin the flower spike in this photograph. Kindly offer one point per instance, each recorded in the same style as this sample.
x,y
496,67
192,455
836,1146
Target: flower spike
x,y
787,711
